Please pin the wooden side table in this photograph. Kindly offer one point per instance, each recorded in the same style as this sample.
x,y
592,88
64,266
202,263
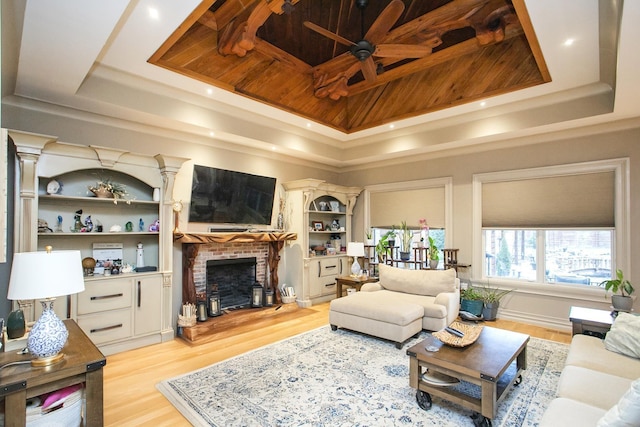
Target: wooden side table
x,y
354,282
590,321
82,363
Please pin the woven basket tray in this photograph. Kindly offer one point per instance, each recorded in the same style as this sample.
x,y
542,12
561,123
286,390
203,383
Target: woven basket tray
x,y
471,334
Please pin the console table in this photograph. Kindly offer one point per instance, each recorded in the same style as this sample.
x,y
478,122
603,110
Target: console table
x,y
83,363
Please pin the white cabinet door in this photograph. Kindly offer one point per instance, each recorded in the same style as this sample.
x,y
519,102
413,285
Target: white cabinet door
x,y
323,272
147,306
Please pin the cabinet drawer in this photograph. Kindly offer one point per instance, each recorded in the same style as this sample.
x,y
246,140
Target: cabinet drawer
x,y
330,267
105,295
105,327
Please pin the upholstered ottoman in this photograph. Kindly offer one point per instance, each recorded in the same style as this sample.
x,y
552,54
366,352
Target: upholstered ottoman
x,y
366,312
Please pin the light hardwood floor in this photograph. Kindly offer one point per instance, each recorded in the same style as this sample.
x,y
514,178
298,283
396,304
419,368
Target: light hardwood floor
x,y
130,395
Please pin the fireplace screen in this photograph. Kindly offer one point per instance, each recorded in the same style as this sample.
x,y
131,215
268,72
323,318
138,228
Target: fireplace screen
x,y
233,279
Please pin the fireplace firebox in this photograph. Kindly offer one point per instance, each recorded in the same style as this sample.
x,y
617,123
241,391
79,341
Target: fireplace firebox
x,y
233,279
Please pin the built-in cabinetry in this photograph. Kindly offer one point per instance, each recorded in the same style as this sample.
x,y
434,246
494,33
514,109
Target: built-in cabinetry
x,y
119,311
320,213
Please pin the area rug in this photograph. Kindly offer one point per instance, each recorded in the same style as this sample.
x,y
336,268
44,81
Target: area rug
x,y
342,378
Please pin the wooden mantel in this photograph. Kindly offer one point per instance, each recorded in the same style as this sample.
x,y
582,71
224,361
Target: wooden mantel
x,y
230,237
192,241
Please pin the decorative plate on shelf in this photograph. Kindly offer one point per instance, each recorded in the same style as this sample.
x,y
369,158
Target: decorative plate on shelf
x,y
471,334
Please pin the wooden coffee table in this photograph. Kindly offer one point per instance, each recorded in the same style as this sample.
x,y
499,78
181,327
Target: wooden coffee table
x,y
494,362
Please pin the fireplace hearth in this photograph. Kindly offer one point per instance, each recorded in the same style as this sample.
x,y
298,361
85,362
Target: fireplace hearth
x,y
233,279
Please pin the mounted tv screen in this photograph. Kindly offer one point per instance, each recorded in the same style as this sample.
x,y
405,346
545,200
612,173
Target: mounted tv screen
x,y
227,197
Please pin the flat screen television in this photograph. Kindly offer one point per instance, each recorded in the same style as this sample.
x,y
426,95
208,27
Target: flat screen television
x,y
220,196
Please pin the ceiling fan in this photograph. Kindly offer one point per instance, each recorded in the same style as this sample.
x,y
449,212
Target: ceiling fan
x,y
370,45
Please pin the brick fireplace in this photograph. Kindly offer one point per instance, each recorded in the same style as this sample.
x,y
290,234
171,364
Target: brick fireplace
x,y
198,248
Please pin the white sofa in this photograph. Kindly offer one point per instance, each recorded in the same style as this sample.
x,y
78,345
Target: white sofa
x,y
599,386
400,304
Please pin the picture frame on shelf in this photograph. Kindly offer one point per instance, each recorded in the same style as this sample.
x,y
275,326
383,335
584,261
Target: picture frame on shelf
x,y
317,225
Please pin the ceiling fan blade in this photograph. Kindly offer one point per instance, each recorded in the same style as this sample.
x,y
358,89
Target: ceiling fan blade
x,y
328,34
385,21
369,70
402,51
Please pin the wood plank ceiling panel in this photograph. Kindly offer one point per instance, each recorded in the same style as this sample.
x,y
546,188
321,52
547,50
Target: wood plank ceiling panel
x,y
254,49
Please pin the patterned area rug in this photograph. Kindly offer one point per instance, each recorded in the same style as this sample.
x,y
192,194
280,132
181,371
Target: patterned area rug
x,y
342,378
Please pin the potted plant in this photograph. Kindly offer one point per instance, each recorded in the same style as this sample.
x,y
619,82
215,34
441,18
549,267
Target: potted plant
x,y
383,245
491,301
406,236
624,301
368,234
471,301
434,255
107,189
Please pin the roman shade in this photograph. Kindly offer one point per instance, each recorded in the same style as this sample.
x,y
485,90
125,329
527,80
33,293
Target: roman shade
x,y
392,207
580,200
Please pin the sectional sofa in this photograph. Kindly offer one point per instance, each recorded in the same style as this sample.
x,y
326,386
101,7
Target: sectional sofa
x,y
600,382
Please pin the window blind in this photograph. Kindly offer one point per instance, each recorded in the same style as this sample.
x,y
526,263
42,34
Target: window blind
x,y
581,200
392,207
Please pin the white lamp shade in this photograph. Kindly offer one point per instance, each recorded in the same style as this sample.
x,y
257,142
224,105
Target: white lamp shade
x,y
39,275
355,249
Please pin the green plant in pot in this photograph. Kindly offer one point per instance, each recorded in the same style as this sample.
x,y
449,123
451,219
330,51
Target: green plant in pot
x,y
383,244
368,235
491,301
434,255
624,301
471,301
406,236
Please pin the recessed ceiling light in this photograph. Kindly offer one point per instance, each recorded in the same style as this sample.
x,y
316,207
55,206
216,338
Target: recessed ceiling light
x,y
391,126
154,13
209,91
483,103
212,134
308,124
569,42
273,148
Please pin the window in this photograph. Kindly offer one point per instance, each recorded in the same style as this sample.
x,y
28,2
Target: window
x,y
577,256
554,225
388,205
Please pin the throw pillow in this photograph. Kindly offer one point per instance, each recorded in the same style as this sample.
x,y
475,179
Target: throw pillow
x,y
417,282
626,413
624,337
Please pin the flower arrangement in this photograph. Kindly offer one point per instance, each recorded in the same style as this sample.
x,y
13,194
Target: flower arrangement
x,y
106,188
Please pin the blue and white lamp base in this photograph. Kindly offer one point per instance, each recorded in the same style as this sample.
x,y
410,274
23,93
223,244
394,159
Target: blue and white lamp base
x,y
47,337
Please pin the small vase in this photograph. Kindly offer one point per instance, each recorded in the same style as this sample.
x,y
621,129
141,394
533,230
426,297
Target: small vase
x,y
16,326
433,264
405,256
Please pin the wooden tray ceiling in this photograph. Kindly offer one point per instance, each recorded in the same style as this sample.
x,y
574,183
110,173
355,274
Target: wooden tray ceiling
x,y
479,48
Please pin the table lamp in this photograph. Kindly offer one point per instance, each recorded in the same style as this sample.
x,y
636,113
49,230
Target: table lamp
x,y
355,250
45,276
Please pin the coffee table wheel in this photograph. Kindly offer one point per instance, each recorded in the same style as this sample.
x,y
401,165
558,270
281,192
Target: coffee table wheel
x,y
334,327
424,400
480,421
518,381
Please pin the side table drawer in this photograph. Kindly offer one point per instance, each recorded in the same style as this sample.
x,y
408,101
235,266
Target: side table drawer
x,y
105,295
105,327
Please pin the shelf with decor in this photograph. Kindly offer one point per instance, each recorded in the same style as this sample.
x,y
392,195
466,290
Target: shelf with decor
x,y
65,208
321,217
